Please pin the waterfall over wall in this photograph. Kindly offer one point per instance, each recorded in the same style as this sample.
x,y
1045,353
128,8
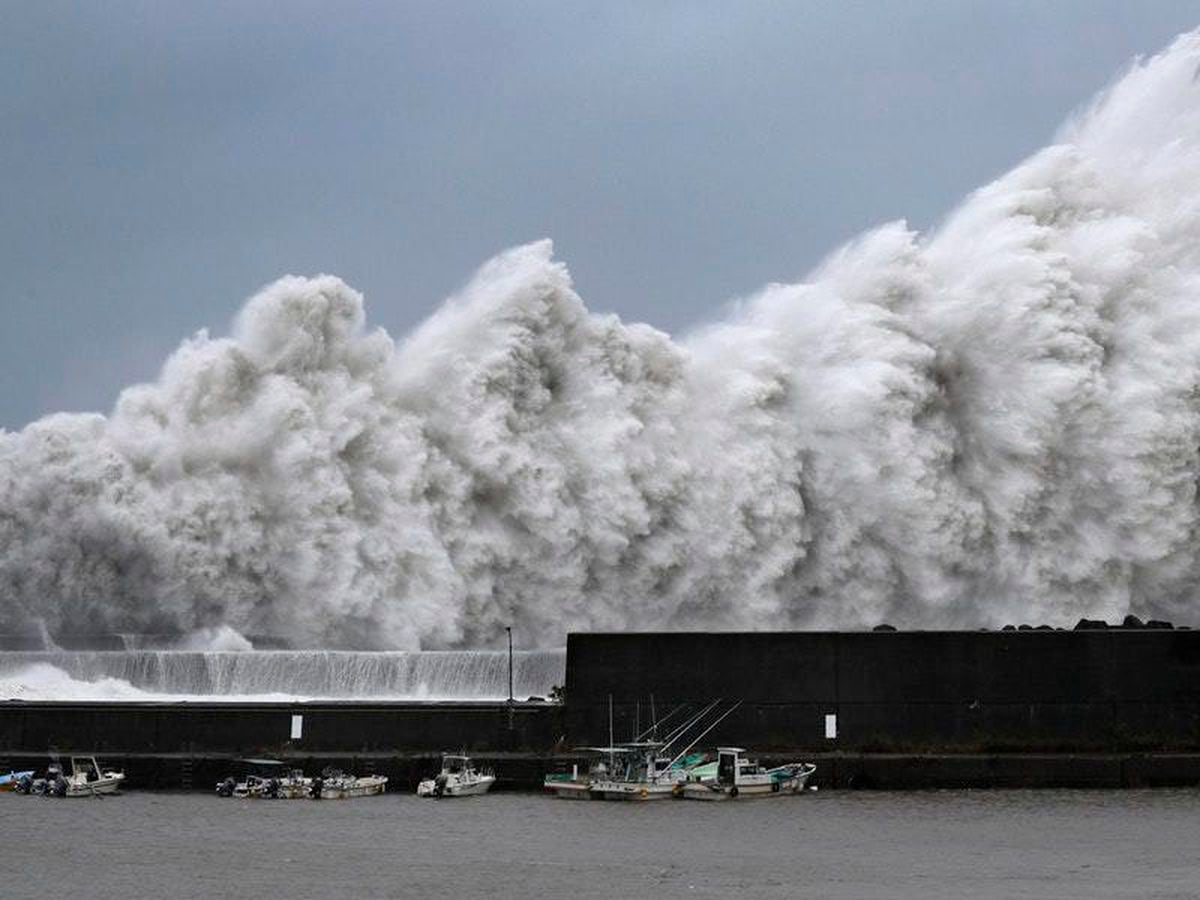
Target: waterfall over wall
x,y
149,674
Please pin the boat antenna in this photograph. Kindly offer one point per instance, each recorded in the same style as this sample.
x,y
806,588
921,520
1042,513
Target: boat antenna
x,y
691,723
508,628
653,718
612,761
664,719
637,718
704,732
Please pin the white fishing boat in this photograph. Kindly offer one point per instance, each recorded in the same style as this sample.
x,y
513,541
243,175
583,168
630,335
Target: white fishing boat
x,y
458,778
736,777
577,785
87,779
650,772
640,772
337,785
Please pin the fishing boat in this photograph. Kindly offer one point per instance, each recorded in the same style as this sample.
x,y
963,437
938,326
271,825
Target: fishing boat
x,y
736,777
576,785
458,778
334,784
87,779
641,772
644,768
650,772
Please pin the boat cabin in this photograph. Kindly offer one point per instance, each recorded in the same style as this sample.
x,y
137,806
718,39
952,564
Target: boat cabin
x,y
732,767
85,769
455,764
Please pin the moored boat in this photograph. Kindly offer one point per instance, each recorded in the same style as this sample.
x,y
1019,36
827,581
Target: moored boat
x,y
264,779
640,773
737,777
458,778
333,784
10,781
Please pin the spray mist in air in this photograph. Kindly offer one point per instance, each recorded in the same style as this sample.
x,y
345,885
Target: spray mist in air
x,y
997,421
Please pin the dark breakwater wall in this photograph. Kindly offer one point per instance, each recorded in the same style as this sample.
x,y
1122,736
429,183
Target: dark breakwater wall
x,y
263,728
1104,708
1109,690
183,745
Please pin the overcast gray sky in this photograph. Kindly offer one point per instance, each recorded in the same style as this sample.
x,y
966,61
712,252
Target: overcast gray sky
x,y
160,161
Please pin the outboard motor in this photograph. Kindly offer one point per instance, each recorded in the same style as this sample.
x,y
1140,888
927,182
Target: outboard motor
x,y
225,788
271,791
317,784
24,784
58,787
439,784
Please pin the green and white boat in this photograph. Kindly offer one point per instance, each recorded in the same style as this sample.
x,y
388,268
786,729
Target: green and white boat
x,y
734,777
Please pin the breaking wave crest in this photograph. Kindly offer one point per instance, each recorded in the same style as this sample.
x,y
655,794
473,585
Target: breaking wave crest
x,y
998,420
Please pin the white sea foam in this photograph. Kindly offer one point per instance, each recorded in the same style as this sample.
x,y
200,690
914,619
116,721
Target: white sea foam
x,y
277,675
993,422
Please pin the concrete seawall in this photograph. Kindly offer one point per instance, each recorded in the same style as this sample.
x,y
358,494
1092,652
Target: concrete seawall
x,y
1103,691
874,710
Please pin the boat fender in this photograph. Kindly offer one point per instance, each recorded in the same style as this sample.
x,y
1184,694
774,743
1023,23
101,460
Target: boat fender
x,y
733,792
774,787
677,790
643,792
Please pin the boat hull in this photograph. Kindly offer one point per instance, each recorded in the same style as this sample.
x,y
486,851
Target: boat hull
x,y
367,786
632,790
105,785
781,787
473,788
570,790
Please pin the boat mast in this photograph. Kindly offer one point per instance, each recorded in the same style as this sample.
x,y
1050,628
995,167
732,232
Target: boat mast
x,y
612,760
720,719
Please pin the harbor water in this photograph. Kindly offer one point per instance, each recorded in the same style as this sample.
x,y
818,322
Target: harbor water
x,y
829,844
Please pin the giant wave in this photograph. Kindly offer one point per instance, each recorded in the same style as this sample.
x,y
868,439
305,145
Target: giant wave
x,y
994,421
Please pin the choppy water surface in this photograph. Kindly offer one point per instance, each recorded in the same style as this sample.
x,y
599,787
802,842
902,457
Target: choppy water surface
x,y
1080,844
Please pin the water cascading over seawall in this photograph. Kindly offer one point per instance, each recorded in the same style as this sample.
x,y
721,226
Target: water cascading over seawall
x,y
228,675
997,421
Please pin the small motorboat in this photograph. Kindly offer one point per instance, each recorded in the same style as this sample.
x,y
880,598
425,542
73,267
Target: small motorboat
x,y
737,777
293,786
458,778
85,779
10,781
264,779
334,784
